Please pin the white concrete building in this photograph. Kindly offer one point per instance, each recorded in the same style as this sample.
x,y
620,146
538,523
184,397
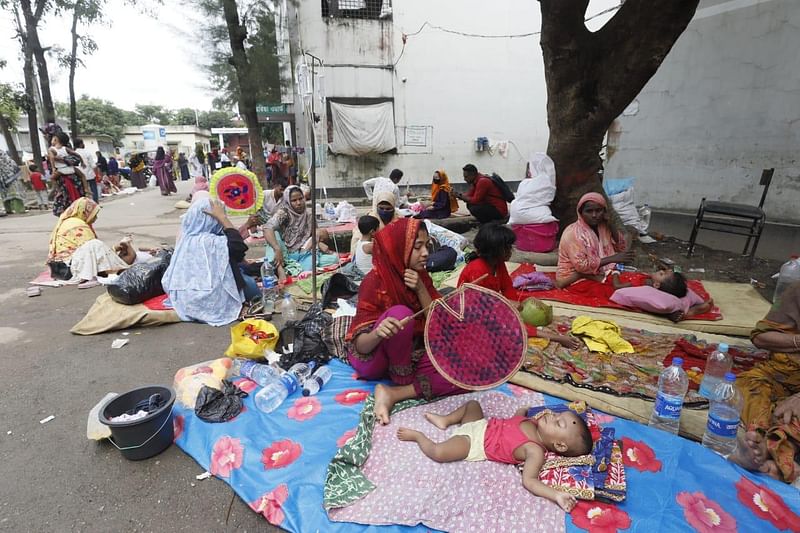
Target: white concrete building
x,y
724,105
445,82
181,138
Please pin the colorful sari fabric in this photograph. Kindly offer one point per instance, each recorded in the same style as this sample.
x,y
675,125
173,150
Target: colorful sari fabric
x,y
73,229
162,168
294,227
773,381
444,185
384,287
581,249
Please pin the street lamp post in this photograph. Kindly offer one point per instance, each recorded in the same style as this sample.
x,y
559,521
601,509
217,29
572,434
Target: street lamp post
x,y
314,61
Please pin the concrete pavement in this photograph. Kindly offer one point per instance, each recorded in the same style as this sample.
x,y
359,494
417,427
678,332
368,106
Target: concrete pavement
x,y
53,478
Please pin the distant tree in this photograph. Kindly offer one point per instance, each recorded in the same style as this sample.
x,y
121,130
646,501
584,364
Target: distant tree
x,y
593,76
215,119
85,12
151,113
29,78
240,50
183,116
12,102
99,117
132,118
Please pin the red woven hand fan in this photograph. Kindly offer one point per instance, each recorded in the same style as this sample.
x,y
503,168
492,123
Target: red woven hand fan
x,y
475,338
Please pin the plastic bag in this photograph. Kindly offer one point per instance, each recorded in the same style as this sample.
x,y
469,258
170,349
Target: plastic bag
x,y
191,379
251,338
346,212
214,405
141,281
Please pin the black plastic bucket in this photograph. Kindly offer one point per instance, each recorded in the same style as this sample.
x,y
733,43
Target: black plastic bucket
x,y
145,437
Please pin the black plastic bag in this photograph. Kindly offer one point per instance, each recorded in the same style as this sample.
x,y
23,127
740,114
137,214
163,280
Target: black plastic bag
x,y
213,405
441,260
141,281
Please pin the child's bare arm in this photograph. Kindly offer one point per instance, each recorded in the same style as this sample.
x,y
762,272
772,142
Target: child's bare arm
x,y
367,248
534,459
522,411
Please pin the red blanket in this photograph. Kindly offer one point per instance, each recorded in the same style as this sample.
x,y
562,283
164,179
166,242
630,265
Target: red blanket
x,y
596,294
156,303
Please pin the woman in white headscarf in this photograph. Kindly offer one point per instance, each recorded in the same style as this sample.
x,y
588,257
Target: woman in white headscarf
x,y
529,214
204,281
384,209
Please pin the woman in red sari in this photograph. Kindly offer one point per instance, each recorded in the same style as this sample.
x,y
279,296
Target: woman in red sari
x,y
162,168
383,340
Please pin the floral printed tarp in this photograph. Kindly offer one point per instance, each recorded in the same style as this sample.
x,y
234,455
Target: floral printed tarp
x,y
278,464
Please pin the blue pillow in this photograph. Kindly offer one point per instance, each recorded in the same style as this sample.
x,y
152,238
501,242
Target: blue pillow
x,y
614,186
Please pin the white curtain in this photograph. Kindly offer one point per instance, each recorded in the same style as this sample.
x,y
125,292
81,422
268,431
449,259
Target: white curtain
x,y
362,129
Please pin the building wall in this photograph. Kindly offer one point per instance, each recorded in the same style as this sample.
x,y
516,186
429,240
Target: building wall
x,y
724,105
179,138
459,87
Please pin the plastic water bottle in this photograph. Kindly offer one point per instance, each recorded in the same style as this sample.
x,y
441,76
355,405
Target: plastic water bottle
x,y
619,267
317,381
718,364
269,287
645,213
790,273
272,396
330,211
723,417
287,308
672,386
261,374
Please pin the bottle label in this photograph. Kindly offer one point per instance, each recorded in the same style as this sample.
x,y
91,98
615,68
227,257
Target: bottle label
x,y
289,382
246,368
721,427
668,406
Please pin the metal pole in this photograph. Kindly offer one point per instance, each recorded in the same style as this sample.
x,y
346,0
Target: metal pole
x,y
314,59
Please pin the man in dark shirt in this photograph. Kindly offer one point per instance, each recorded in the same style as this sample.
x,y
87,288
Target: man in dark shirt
x,y
484,200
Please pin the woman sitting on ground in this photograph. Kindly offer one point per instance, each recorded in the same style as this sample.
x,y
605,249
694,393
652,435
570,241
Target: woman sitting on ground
x,y
529,214
589,247
772,395
444,203
75,253
384,209
204,280
288,234
383,341
494,243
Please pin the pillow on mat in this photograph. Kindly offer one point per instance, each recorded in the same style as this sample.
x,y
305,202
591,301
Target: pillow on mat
x,y
653,300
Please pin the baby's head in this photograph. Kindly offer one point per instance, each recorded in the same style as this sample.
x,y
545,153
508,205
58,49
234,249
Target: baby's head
x,y
368,225
565,433
670,282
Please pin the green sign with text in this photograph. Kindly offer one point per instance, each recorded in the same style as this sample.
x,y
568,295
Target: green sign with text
x,y
266,110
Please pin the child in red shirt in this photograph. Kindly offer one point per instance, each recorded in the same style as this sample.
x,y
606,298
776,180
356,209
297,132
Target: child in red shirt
x,y
494,243
38,186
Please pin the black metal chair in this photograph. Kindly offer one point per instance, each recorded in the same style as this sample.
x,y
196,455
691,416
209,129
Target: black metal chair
x,y
739,219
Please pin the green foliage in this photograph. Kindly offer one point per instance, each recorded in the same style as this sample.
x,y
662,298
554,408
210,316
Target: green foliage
x,y
97,116
155,114
258,18
12,103
215,119
183,116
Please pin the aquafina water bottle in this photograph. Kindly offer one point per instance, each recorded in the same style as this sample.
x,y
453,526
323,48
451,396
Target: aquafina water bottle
x,y
672,386
723,417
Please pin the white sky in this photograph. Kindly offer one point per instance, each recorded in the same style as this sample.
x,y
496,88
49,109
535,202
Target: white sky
x,y
141,59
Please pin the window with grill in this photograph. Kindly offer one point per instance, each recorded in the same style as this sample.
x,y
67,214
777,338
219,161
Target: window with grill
x,y
357,9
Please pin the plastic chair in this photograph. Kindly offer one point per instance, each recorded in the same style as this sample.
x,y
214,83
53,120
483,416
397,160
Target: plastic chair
x,y
739,219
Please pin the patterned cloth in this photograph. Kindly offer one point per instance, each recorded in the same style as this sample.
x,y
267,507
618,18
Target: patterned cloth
x,y
581,249
74,228
294,227
771,382
377,479
94,257
199,280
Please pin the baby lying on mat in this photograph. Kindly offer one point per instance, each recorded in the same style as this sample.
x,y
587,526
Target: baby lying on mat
x,y
514,440
665,293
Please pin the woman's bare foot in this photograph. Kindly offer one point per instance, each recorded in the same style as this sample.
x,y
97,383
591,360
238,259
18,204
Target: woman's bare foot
x,y
406,434
751,452
383,403
440,421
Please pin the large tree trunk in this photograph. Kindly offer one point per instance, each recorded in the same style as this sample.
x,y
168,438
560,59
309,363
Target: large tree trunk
x,y
73,59
6,126
592,77
247,100
32,17
30,92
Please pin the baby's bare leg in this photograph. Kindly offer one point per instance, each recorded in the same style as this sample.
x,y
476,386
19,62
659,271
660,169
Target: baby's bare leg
x,y
453,449
469,412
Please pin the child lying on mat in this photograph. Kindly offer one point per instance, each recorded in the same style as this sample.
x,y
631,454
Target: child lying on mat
x,y
494,244
671,298
515,440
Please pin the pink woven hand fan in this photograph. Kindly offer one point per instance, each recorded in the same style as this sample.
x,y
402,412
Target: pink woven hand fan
x,y
475,338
